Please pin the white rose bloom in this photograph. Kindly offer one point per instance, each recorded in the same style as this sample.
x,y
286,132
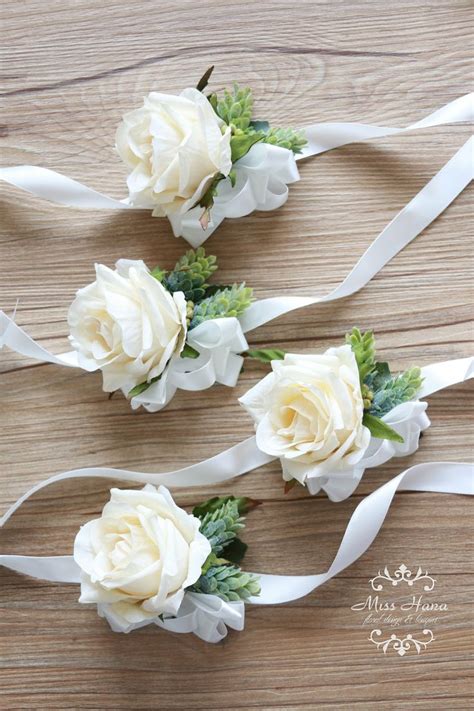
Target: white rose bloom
x,y
127,324
309,411
174,146
138,558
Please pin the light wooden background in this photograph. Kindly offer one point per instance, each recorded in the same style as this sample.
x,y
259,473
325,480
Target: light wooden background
x,y
69,70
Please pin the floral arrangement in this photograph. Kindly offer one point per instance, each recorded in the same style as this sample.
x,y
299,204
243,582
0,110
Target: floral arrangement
x,y
184,154
133,323
320,413
145,554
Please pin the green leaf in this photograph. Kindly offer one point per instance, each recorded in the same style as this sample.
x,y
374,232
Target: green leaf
x,y
204,80
235,551
158,273
141,387
211,561
265,355
381,375
214,288
207,198
241,143
244,505
212,98
189,352
232,177
378,428
262,126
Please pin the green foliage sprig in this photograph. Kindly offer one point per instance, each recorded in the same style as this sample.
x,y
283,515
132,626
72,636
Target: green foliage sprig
x,y
229,301
222,525
235,108
228,582
221,520
381,391
205,301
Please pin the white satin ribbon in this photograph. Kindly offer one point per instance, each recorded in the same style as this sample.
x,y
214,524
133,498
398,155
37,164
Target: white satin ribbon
x,y
365,523
208,617
409,419
262,175
221,341
425,207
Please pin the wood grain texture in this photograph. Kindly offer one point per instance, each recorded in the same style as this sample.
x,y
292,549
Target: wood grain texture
x,y
69,71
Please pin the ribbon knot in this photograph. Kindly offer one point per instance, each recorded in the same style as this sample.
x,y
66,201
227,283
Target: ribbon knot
x,y
219,343
206,616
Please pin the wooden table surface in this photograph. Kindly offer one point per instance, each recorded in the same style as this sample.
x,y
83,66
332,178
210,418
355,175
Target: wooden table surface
x,y
69,71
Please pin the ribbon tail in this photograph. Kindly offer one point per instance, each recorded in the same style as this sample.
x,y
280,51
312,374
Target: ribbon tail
x,y
56,569
237,460
420,212
58,188
19,341
365,524
324,137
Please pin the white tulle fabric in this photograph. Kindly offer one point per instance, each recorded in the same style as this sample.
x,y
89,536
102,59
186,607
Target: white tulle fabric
x,y
208,617
262,175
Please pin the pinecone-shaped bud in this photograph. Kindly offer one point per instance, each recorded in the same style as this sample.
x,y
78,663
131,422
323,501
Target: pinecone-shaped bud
x,y
363,347
229,583
232,301
286,138
367,396
235,108
189,312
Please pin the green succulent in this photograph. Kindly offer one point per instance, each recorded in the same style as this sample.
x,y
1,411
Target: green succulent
x,y
235,107
228,582
392,391
226,302
222,525
286,138
190,274
381,391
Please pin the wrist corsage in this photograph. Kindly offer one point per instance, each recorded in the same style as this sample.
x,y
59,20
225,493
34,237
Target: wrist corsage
x,y
150,332
201,156
327,417
147,561
198,158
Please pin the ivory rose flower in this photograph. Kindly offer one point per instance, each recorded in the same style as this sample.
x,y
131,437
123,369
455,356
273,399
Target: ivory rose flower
x,y
174,146
308,412
138,558
127,324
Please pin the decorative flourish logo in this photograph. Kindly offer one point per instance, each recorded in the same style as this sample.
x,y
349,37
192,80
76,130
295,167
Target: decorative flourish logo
x,y
401,645
415,610
402,574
